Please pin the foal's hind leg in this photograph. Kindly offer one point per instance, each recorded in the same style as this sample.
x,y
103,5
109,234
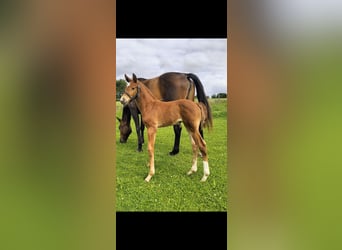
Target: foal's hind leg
x,y
194,156
203,149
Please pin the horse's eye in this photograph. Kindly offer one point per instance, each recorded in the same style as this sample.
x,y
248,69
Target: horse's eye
x,y
133,88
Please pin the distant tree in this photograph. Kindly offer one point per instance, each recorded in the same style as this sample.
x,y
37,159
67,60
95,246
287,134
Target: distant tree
x,y
214,96
221,95
120,88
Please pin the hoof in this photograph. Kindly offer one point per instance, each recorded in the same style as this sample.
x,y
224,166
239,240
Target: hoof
x,y
191,172
204,178
148,178
174,152
139,148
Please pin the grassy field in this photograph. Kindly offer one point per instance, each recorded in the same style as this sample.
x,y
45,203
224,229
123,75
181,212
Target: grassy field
x,y
171,189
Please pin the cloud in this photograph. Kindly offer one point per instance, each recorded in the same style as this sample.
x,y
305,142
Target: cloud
x,y
148,58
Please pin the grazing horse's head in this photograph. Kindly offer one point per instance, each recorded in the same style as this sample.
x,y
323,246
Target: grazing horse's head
x,y
125,129
131,91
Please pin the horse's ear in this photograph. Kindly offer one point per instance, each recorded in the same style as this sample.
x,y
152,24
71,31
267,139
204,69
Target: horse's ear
x,y
127,78
134,78
118,119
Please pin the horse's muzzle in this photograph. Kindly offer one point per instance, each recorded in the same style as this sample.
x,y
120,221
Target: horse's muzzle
x,y
123,101
123,140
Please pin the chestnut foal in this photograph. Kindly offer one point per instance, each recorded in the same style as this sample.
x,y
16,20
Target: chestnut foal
x,y
156,113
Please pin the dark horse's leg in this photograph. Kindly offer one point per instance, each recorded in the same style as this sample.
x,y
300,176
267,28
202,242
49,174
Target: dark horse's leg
x,y
142,128
177,129
138,128
200,129
201,132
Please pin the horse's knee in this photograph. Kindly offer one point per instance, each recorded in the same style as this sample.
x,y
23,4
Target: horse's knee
x,y
203,149
204,153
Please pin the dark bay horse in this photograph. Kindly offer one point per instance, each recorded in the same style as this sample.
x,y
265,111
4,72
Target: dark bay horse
x,y
156,113
166,87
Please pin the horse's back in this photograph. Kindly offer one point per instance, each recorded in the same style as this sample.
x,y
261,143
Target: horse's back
x,y
188,107
171,86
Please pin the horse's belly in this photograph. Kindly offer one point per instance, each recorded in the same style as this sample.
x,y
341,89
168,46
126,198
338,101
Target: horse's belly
x,y
170,122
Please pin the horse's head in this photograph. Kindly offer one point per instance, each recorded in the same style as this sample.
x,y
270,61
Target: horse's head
x,y
131,91
125,130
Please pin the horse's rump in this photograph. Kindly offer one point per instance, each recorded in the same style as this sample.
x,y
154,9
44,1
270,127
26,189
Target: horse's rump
x,y
204,114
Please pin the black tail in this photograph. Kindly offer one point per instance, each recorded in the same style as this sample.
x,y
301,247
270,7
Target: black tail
x,y
201,96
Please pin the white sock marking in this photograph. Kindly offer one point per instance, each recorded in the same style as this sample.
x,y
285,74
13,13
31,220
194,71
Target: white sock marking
x,y
193,168
206,171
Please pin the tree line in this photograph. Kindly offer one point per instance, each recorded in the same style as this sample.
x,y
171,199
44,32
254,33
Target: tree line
x,y
219,95
120,88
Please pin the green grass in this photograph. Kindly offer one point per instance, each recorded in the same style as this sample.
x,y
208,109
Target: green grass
x,y
170,189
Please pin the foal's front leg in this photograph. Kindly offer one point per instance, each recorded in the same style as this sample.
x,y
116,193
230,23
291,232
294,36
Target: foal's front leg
x,y
151,132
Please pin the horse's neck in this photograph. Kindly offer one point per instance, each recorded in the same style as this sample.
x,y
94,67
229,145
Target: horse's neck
x,y
126,114
145,99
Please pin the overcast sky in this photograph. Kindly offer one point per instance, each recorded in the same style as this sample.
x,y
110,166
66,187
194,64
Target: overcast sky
x,y
148,58
303,16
